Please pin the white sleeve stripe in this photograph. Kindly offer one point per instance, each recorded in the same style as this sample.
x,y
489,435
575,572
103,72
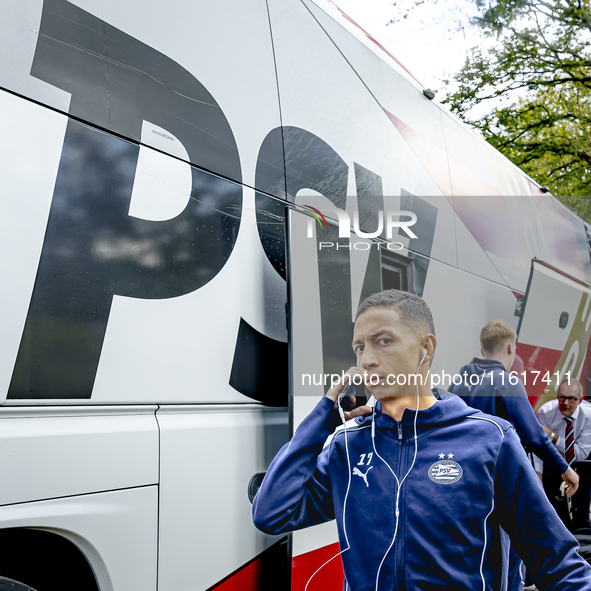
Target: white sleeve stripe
x,y
490,421
341,429
485,520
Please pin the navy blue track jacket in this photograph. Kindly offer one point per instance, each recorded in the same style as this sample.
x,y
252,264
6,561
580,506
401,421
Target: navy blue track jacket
x,y
493,393
471,476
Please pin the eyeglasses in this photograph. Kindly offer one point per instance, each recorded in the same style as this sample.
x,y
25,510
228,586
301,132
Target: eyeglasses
x,y
567,398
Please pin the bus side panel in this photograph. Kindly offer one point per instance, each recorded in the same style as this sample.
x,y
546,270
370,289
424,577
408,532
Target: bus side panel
x,y
75,451
137,249
338,139
208,457
169,77
462,304
556,348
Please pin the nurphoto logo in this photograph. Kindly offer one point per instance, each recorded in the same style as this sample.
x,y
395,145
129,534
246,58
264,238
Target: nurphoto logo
x,y
389,220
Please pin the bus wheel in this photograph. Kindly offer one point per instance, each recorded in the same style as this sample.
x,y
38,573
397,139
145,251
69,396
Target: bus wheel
x,y
10,585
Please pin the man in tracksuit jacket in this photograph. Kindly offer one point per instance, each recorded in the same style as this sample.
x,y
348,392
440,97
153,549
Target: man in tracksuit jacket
x,y
489,387
415,518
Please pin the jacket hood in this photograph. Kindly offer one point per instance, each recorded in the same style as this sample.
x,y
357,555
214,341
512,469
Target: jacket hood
x,y
448,409
479,366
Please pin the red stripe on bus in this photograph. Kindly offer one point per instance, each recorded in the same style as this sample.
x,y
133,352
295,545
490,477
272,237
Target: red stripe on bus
x,y
329,578
538,359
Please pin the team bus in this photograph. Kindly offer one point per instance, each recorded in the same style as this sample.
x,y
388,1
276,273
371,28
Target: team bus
x,y
165,288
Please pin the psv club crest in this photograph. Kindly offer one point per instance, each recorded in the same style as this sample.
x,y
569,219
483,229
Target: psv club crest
x,y
445,471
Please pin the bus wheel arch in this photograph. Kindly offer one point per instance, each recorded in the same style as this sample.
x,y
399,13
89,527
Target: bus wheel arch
x,y
43,560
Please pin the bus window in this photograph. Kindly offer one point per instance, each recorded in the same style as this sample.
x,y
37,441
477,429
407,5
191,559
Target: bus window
x,y
396,271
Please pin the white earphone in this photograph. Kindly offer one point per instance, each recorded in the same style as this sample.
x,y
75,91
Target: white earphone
x,y
425,352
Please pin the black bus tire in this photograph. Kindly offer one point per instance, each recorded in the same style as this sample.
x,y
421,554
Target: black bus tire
x,y
10,585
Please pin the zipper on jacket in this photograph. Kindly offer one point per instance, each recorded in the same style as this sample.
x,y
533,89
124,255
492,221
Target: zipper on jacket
x,y
397,554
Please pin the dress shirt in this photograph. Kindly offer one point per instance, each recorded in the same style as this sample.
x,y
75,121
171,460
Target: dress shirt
x,y
550,416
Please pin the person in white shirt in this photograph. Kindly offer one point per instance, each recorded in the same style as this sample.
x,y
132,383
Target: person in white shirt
x,y
568,425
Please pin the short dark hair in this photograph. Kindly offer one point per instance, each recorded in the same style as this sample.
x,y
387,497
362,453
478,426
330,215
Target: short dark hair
x,y
413,310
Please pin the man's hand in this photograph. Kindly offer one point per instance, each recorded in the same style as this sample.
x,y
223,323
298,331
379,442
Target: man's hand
x,y
358,412
334,392
572,482
548,431
540,476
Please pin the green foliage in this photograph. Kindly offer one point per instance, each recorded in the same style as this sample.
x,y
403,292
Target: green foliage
x,y
539,61
547,135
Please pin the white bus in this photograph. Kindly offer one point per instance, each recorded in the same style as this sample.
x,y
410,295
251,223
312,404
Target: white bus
x,y
163,292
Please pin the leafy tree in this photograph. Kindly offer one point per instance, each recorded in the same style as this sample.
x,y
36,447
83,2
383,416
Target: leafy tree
x,y
536,70
547,135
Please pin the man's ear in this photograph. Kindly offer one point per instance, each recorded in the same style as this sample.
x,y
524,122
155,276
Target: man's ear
x,y
429,343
